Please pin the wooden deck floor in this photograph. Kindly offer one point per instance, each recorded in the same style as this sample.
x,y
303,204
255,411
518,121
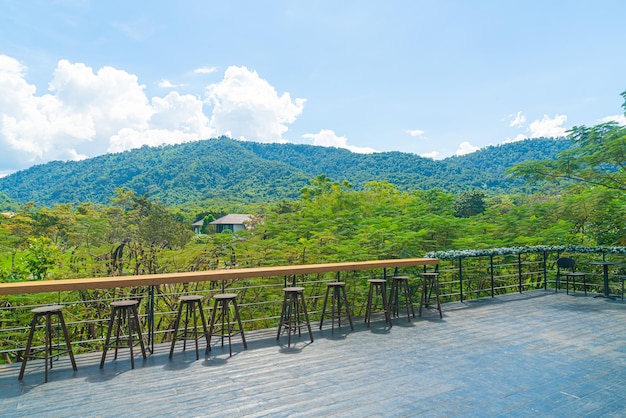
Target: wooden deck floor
x,y
532,354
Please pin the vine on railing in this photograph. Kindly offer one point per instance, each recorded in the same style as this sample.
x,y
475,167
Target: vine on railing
x,y
580,249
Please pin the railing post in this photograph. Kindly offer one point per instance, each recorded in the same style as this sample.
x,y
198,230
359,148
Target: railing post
x,y
461,277
151,318
519,270
545,270
491,270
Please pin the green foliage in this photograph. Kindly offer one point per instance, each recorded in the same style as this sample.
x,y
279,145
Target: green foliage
x,y
40,257
470,203
225,173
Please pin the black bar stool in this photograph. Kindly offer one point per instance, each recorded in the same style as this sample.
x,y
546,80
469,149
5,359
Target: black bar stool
x,y
192,304
294,314
400,284
337,298
430,283
223,320
378,286
124,310
47,312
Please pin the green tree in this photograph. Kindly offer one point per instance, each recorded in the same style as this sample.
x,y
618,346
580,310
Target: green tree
x,y
41,256
469,204
597,159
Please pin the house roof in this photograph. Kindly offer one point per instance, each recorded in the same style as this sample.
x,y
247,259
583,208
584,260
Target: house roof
x,y
198,223
232,219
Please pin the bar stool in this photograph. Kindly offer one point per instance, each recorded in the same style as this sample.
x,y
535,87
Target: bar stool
x,y
400,284
47,312
430,283
124,310
225,324
378,286
192,304
294,314
337,298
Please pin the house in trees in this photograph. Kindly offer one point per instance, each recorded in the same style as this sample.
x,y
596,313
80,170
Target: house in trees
x,y
232,222
197,226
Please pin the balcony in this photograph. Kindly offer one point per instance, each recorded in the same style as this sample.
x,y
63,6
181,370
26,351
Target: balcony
x,y
529,352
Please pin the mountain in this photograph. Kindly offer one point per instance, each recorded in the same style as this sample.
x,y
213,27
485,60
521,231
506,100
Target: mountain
x,y
227,168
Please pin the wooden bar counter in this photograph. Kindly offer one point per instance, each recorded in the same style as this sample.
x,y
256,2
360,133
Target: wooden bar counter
x,y
42,286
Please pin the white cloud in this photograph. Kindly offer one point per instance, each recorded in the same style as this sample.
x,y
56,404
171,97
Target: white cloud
x,y
328,138
466,148
415,132
166,84
205,70
545,127
621,119
548,127
86,113
518,121
433,155
517,138
250,108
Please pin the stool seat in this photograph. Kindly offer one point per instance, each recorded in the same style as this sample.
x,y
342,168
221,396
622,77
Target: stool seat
x,y
190,298
124,310
378,286
48,308
293,289
293,315
337,298
221,322
192,304
47,312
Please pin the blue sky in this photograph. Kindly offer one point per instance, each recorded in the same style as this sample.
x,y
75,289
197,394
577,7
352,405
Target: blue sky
x,y
79,78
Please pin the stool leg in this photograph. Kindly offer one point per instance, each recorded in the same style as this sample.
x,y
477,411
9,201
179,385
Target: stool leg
x,y
368,307
67,341
345,302
204,328
33,324
291,314
48,347
120,318
423,295
226,323
283,312
385,305
335,310
243,338
130,337
324,307
408,301
139,333
186,327
213,315
195,328
176,324
393,298
438,301
306,315
108,338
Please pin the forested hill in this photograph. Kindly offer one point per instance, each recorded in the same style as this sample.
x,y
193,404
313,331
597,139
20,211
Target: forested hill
x,y
226,168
